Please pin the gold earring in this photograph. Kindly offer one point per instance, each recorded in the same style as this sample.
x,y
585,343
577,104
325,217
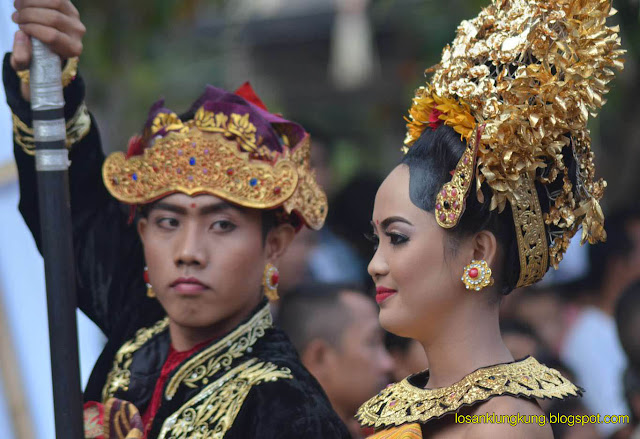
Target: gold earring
x,y
270,280
477,275
150,292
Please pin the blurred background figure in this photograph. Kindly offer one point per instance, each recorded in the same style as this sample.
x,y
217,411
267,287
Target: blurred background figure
x,y
572,407
521,339
590,346
627,315
336,332
408,356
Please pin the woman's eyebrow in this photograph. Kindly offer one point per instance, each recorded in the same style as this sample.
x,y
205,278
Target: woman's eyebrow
x,y
394,219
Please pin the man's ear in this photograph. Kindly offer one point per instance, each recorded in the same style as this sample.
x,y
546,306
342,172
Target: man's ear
x,y
317,357
278,240
142,228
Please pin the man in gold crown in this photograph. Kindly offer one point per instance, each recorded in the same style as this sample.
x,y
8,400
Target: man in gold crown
x,y
497,177
218,194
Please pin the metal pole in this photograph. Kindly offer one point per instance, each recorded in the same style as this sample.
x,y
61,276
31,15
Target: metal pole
x,y
52,164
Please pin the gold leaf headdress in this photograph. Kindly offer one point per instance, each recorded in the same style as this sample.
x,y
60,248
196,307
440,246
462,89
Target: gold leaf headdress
x,y
524,75
230,148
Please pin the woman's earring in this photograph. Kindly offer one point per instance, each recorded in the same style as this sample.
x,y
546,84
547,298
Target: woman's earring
x,y
150,292
270,280
477,275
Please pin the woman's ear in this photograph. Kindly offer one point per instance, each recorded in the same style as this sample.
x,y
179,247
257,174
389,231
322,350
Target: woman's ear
x,y
142,228
278,240
485,247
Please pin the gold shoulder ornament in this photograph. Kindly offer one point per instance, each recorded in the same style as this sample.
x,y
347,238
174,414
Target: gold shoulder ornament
x,y
403,403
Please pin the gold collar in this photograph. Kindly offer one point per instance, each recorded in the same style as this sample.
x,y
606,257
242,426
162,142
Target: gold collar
x,y
403,402
199,369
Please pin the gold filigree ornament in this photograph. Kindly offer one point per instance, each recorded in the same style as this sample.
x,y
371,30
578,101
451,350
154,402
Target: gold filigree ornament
x,y
403,403
211,413
120,375
198,370
531,72
451,200
218,154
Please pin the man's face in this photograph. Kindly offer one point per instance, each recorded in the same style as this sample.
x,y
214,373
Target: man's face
x,y
361,365
206,259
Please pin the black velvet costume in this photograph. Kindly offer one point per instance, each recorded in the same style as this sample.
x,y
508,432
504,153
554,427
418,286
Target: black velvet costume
x,y
251,385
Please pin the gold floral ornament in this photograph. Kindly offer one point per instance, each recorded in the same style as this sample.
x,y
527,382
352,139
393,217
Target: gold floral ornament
x,y
222,154
530,71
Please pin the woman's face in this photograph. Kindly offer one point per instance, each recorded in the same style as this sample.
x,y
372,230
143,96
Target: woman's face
x,y
417,279
206,259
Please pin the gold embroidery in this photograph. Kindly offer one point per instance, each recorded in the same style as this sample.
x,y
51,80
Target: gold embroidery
x,y
201,367
403,403
68,74
77,128
211,413
119,375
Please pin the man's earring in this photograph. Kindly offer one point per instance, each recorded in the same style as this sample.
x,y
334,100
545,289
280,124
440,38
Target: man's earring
x,y
150,292
270,280
477,275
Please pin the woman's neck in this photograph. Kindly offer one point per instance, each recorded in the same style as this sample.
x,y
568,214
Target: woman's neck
x,y
465,343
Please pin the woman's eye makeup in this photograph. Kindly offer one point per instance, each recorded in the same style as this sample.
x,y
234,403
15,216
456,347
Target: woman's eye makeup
x,y
397,238
373,238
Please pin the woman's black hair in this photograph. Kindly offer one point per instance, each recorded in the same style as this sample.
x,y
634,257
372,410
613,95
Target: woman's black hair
x,y
431,160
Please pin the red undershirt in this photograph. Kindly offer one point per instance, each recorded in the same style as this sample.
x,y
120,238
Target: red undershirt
x,y
173,360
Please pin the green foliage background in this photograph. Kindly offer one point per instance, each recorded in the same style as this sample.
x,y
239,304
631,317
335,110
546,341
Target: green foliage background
x,y
136,52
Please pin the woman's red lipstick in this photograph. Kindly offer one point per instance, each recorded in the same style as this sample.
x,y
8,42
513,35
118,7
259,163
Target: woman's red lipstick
x,y
188,285
383,294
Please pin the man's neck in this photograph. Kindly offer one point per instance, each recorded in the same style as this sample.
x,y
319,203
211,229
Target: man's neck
x,y
184,338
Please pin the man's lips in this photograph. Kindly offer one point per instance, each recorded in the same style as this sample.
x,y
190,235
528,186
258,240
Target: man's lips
x,y
188,285
383,294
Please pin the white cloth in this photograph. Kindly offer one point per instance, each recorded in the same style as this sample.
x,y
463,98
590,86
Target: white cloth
x,y
593,351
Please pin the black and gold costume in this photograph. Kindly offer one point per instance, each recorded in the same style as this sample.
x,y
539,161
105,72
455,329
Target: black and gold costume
x,y
248,384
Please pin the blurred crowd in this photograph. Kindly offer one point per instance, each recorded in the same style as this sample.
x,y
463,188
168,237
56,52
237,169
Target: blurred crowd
x,y
583,319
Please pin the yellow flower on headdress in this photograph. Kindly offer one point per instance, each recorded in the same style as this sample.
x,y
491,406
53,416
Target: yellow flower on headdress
x,y
428,109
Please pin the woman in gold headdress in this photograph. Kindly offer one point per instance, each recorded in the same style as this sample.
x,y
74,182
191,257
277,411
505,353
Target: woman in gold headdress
x,y
497,177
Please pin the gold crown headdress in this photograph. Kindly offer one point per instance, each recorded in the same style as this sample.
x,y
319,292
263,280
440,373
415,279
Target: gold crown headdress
x,y
518,84
232,148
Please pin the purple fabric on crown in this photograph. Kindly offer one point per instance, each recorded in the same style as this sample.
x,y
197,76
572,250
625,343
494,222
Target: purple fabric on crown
x,y
269,127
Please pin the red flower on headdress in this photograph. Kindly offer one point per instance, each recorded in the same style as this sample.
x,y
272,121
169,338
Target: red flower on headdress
x,y
136,146
248,93
434,118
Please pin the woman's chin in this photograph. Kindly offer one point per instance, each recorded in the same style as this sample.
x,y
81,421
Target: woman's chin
x,y
391,322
